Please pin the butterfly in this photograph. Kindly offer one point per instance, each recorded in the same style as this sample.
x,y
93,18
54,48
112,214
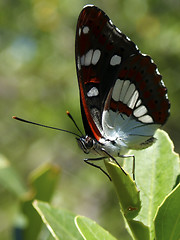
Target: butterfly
x,y
123,98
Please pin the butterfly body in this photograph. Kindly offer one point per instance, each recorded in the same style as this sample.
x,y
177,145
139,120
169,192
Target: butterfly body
x,y
123,98
103,146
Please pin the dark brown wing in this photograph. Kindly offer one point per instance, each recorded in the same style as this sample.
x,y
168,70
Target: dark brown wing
x,y
100,50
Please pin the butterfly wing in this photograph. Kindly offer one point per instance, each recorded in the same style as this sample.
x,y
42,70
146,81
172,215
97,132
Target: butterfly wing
x,y
137,104
100,49
122,93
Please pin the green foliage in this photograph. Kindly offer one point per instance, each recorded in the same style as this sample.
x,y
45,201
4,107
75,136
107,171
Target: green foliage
x,y
160,211
10,179
151,209
60,222
66,225
91,230
157,168
167,219
42,185
129,200
155,180
126,189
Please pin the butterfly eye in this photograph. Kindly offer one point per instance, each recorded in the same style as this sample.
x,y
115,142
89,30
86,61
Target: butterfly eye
x,y
82,144
89,142
85,143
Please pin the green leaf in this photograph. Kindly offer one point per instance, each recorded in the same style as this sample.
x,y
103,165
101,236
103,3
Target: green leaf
x,y
43,182
10,179
126,190
129,200
157,168
167,220
59,222
137,229
90,230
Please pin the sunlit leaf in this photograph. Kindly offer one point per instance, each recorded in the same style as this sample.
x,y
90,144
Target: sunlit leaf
x,y
59,221
91,230
129,200
157,168
167,220
126,190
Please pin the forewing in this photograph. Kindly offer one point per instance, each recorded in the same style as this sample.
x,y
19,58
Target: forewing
x,y
100,50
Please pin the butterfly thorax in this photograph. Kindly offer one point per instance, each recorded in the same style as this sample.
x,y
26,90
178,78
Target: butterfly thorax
x,y
102,147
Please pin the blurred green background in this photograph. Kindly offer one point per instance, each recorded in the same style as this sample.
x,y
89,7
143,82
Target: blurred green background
x,y
38,82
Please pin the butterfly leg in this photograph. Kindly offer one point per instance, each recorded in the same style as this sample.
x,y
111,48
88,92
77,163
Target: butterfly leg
x,y
114,160
88,161
133,168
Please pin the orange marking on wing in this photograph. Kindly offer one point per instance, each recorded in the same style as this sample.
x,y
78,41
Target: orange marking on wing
x,y
92,125
94,80
89,75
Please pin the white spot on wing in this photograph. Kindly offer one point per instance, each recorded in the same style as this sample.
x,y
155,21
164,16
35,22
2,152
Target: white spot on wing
x,y
79,31
138,103
117,89
93,92
133,100
157,71
118,30
88,5
115,60
146,119
129,93
85,29
140,111
124,90
151,60
96,56
91,57
78,63
88,57
111,23
128,38
136,47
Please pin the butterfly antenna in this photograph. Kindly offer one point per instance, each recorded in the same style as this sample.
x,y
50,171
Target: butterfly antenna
x,y
70,116
42,125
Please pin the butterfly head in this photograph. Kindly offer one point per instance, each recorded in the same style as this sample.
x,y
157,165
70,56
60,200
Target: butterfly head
x,y
86,143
